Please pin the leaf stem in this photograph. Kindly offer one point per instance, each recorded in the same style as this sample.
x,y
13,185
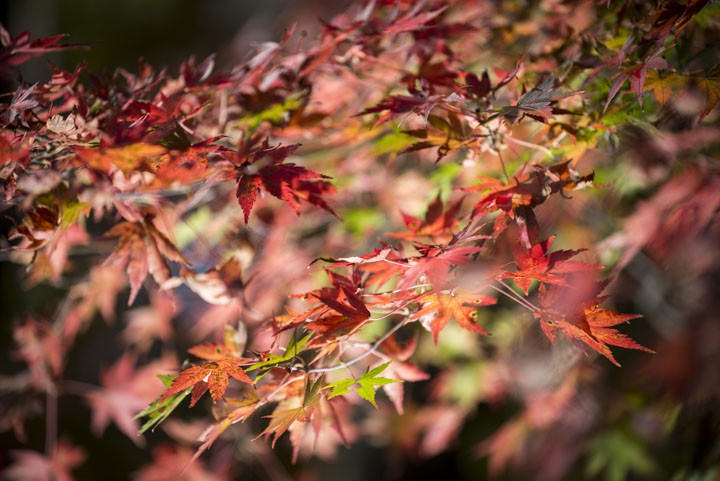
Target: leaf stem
x,y
374,347
514,296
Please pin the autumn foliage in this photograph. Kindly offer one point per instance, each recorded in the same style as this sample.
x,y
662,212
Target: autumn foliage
x,y
425,191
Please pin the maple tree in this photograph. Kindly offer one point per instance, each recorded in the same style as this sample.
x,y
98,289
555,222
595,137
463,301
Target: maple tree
x,y
297,227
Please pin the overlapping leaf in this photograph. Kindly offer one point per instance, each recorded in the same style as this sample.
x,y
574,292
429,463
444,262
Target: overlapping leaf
x,y
584,322
213,376
286,181
537,263
366,384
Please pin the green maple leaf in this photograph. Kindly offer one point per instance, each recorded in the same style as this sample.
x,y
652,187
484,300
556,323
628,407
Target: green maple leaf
x,y
295,347
282,419
366,382
161,408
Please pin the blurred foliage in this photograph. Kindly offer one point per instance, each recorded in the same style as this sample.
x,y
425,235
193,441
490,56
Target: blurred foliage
x,y
503,407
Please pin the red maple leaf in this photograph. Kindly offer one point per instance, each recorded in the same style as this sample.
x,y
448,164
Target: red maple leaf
x,y
347,313
538,264
382,271
538,103
401,104
636,74
401,368
436,263
15,51
286,181
529,187
437,222
584,322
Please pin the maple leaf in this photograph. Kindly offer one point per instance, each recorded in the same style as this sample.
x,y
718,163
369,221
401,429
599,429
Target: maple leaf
x,y
173,462
284,417
437,223
142,249
537,103
412,21
213,376
31,465
438,308
447,134
129,158
21,102
400,104
637,75
241,409
678,212
220,285
664,87
584,322
528,188
185,166
341,311
41,348
401,368
478,87
383,271
145,325
125,391
286,181
710,86
294,348
671,16
365,384
12,151
15,51
436,263
351,312
538,264
97,294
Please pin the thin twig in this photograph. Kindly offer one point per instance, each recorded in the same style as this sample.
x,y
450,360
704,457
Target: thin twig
x,y
530,145
394,311
502,162
417,286
374,347
515,297
286,382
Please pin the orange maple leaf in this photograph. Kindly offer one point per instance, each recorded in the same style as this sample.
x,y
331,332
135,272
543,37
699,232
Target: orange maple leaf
x,y
439,308
213,376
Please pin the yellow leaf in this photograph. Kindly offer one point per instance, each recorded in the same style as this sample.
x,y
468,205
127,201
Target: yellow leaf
x,y
128,158
664,87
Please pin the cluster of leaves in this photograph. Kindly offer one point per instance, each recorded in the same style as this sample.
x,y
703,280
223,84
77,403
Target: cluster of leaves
x,y
176,169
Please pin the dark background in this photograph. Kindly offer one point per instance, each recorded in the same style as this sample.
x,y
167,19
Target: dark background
x,y
163,32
